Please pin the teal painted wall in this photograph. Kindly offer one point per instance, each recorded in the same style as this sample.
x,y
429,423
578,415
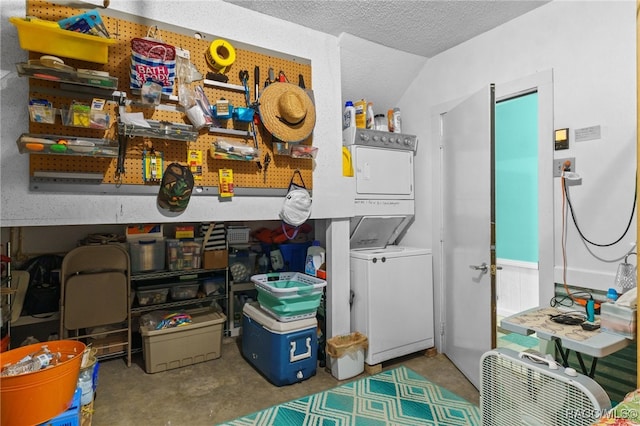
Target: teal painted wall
x,y
517,178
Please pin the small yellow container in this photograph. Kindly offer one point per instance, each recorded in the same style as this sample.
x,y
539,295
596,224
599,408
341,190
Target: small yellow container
x,y
47,37
361,114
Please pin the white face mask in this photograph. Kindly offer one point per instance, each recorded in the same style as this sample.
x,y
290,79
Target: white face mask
x,y
296,208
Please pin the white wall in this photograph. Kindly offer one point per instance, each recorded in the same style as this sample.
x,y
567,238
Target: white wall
x,y
591,47
516,287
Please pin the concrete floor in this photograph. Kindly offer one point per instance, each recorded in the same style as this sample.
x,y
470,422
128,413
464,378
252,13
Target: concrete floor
x,y
216,391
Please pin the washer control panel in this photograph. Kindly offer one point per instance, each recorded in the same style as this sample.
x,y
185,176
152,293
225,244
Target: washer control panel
x,y
380,139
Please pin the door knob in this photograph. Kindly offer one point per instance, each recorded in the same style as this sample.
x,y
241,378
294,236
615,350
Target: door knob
x,y
484,268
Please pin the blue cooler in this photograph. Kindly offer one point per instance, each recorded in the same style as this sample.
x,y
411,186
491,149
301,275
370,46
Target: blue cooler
x,y
285,352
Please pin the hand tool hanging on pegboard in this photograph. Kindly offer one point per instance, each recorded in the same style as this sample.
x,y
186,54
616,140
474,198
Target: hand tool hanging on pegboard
x,y
304,87
244,77
270,78
122,143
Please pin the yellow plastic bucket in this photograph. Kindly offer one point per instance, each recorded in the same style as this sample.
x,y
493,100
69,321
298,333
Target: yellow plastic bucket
x,y
33,398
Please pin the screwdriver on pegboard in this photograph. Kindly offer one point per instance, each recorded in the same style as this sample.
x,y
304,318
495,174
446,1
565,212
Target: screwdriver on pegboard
x,y
267,160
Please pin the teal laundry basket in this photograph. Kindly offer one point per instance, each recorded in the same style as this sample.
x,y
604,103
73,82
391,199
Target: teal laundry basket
x,y
289,296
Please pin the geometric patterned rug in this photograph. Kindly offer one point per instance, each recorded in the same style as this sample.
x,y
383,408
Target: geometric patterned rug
x,y
394,397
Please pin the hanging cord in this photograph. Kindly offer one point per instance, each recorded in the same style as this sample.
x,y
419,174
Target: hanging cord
x,y
563,240
565,193
572,296
565,212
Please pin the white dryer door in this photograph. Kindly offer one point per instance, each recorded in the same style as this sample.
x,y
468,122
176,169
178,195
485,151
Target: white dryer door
x,y
383,173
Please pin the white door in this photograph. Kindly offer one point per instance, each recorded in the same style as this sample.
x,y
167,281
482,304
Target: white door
x,y
468,193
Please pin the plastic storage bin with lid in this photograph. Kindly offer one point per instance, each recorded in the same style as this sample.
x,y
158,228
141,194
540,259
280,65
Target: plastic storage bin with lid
x,y
184,254
184,291
152,294
170,348
147,254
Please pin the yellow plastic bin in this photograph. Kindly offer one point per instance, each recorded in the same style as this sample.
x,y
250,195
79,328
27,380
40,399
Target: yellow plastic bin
x,y
346,355
47,37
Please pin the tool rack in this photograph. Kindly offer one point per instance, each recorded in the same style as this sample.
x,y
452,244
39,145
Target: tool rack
x,y
106,174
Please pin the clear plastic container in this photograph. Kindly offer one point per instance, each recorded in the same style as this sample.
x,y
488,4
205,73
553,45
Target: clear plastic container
x,y
380,123
152,296
85,383
30,363
185,291
315,259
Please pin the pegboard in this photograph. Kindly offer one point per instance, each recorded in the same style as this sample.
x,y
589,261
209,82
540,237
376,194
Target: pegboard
x,y
247,174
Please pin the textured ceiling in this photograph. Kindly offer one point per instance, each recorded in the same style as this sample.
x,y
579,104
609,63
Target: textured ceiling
x,y
404,31
421,27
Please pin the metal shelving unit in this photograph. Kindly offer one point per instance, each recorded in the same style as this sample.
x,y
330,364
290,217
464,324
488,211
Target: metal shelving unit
x,y
153,278
235,288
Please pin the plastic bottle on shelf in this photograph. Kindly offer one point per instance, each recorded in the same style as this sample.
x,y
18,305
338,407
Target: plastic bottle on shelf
x,y
315,258
361,114
397,121
349,116
370,116
263,264
390,121
348,123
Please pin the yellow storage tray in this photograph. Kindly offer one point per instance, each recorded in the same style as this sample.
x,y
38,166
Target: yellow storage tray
x,y
47,37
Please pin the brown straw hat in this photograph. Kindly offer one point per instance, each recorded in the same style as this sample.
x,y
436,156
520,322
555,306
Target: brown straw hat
x,y
287,112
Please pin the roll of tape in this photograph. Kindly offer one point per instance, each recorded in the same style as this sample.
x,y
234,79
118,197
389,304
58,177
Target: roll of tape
x,y
220,55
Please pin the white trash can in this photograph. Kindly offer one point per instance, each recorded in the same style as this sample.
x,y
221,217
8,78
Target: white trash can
x,y
346,355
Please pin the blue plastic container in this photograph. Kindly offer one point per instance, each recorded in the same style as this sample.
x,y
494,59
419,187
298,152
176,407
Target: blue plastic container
x,y
285,353
293,254
71,417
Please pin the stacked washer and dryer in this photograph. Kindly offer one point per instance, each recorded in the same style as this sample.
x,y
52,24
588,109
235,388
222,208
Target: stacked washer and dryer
x,y
391,285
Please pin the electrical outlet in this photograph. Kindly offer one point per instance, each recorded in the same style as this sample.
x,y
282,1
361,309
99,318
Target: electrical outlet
x,y
558,164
